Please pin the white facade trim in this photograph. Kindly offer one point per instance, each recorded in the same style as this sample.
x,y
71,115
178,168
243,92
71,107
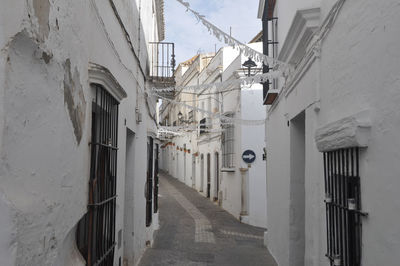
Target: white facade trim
x,y
230,170
299,48
161,19
304,25
102,76
261,8
351,131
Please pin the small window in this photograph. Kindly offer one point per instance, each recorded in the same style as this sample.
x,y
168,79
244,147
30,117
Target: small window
x,y
190,116
203,126
228,142
343,206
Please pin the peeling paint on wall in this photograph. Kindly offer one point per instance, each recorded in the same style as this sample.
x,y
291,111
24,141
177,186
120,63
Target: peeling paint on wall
x,y
75,100
42,12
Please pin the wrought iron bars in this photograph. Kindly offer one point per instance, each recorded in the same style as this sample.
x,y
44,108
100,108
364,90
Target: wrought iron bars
x,y
149,182
156,181
162,60
343,207
96,230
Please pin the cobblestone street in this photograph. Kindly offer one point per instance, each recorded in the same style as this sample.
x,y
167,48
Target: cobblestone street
x,y
194,231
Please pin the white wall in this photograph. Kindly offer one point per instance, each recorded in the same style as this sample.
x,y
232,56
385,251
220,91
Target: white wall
x,y
356,72
45,163
252,138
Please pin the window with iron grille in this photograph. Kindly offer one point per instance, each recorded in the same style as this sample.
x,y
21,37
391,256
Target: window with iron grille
x,y
270,39
190,116
228,142
156,170
96,230
149,182
203,126
343,207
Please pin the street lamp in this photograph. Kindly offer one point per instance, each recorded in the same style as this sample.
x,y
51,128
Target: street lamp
x,y
180,118
249,64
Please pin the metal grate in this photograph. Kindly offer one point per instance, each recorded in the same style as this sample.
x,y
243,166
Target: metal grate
x,y
343,206
271,48
149,182
203,126
191,116
156,170
163,60
228,143
96,230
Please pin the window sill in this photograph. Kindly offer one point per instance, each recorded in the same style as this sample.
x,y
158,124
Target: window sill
x,y
229,170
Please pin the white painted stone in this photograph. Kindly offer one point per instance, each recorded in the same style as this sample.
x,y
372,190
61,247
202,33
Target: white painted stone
x,y
44,166
354,68
352,131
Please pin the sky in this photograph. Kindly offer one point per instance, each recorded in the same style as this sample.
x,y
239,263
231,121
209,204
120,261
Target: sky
x,y
191,37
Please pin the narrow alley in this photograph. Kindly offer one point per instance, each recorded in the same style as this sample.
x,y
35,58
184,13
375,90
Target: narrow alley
x,y
188,132
194,231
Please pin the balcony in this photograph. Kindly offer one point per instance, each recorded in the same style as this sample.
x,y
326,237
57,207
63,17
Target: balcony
x,y
162,66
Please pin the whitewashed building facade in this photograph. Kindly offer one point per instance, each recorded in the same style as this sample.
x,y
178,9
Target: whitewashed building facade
x,y
74,123
332,144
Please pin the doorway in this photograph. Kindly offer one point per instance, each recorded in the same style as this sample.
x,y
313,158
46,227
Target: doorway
x,y
297,190
216,185
208,175
193,171
184,163
129,196
201,172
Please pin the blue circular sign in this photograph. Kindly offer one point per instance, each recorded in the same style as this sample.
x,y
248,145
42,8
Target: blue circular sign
x,y
249,156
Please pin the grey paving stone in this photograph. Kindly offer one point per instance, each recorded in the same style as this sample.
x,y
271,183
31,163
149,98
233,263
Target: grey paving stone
x,y
175,243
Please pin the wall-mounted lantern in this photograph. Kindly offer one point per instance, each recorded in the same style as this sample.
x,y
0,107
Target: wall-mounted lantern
x,y
249,64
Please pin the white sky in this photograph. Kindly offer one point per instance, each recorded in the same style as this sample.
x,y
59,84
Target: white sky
x,y
190,37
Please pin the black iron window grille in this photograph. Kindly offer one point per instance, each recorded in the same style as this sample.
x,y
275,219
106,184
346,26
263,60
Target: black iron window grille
x,y
203,126
191,116
272,50
96,230
228,142
149,182
156,170
343,207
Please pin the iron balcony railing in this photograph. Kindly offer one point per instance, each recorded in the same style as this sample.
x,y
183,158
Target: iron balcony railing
x,y
162,67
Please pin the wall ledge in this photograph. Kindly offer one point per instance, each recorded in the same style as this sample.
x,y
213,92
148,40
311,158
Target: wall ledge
x,y
305,23
229,170
102,76
351,131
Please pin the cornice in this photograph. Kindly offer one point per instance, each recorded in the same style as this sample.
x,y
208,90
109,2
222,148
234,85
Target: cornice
x,y
305,23
102,76
160,19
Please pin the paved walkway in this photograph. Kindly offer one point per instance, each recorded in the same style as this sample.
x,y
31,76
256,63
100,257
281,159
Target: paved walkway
x,y
194,231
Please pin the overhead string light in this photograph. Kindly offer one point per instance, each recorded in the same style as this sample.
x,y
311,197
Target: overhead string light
x,y
225,119
222,36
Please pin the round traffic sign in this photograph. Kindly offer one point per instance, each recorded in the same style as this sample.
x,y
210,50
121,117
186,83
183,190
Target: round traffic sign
x,y
249,156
